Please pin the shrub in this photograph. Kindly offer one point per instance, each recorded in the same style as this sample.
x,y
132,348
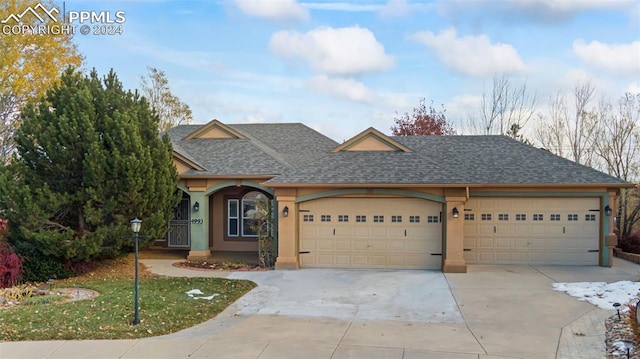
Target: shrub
x,y
10,265
39,267
630,243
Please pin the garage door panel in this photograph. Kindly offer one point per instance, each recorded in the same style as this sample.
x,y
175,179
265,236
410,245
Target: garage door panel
x,y
400,236
532,230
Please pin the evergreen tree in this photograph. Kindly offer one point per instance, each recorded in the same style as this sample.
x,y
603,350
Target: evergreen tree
x,y
89,159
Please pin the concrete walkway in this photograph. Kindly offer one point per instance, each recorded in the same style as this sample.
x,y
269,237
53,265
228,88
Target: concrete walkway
x,y
491,312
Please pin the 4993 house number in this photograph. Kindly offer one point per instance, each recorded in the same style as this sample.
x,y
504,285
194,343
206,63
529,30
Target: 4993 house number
x,y
197,221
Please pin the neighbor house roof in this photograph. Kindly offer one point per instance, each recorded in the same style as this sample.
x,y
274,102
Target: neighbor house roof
x,y
294,154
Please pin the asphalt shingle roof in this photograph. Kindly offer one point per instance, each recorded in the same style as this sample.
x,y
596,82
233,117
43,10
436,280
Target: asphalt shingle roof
x,y
269,149
297,154
449,160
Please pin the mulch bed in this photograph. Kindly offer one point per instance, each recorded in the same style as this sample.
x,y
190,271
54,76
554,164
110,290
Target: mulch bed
x,y
203,265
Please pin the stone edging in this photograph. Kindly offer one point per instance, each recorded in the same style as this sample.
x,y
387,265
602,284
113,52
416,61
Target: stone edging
x,y
631,257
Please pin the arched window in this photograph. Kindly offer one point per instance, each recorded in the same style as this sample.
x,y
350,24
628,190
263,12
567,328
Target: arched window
x,y
243,215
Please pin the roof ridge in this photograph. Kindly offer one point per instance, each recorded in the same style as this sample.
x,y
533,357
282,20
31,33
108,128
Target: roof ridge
x,y
268,150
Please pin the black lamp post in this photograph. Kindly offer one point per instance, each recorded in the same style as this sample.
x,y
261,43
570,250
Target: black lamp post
x,y
135,227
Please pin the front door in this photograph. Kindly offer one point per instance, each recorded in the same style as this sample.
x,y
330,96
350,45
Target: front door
x,y
179,235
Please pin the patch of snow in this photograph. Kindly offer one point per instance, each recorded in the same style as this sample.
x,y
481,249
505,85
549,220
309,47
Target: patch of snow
x,y
601,294
193,292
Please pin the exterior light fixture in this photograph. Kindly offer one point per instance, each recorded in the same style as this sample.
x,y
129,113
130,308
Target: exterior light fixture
x,y
196,206
455,212
285,211
135,227
607,211
617,306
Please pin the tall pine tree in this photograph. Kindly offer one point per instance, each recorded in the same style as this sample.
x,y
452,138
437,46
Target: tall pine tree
x,y
89,159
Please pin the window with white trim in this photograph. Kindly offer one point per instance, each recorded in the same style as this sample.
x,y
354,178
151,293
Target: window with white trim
x,y
396,219
378,219
554,217
590,217
232,218
325,218
343,218
243,215
572,217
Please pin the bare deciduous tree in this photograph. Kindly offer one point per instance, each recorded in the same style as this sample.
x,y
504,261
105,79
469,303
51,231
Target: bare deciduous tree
x,y
616,145
506,105
171,110
570,133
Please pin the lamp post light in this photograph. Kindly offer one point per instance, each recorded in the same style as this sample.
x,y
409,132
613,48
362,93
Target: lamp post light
x,y
135,227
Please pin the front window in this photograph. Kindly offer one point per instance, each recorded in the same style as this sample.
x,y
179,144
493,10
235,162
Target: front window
x,y
243,215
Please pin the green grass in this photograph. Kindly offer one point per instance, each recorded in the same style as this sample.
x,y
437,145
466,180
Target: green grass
x,y
164,309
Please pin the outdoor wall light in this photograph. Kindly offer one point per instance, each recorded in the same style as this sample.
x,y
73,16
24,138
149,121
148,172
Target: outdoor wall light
x,y
607,210
196,206
455,212
285,211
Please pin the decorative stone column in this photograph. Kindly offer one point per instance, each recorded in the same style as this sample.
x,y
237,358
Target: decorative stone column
x,y
454,234
287,229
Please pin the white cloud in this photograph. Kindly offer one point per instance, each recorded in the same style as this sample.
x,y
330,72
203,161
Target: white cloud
x,y
395,8
348,50
339,87
542,11
402,8
342,6
623,59
633,88
472,55
279,10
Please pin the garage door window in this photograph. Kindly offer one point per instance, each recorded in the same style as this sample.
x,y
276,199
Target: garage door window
x,y
554,217
469,217
589,217
307,218
433,219
503,217
485,216
572,217
396,219
538,217
378,219
414,219
325,218
343,218
361,219
521,217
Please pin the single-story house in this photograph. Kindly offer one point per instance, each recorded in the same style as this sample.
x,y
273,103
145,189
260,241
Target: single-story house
x,y
378,201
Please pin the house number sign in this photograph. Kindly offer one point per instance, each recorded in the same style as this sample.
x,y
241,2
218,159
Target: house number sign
x,y
197,221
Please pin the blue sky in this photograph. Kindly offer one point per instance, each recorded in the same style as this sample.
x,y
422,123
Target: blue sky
x,y
341,67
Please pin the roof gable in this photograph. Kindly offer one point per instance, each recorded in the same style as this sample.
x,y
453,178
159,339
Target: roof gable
x,y
371,140
215,129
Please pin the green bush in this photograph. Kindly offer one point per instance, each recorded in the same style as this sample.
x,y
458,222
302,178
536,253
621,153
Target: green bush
x,y
38,267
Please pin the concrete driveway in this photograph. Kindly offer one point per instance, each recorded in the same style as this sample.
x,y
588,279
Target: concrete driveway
x,y
490,312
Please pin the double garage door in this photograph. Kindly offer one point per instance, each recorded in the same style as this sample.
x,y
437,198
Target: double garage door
x,y
532,231
370,233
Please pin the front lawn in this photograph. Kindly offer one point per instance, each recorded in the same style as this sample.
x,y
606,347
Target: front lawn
x,y
164,307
